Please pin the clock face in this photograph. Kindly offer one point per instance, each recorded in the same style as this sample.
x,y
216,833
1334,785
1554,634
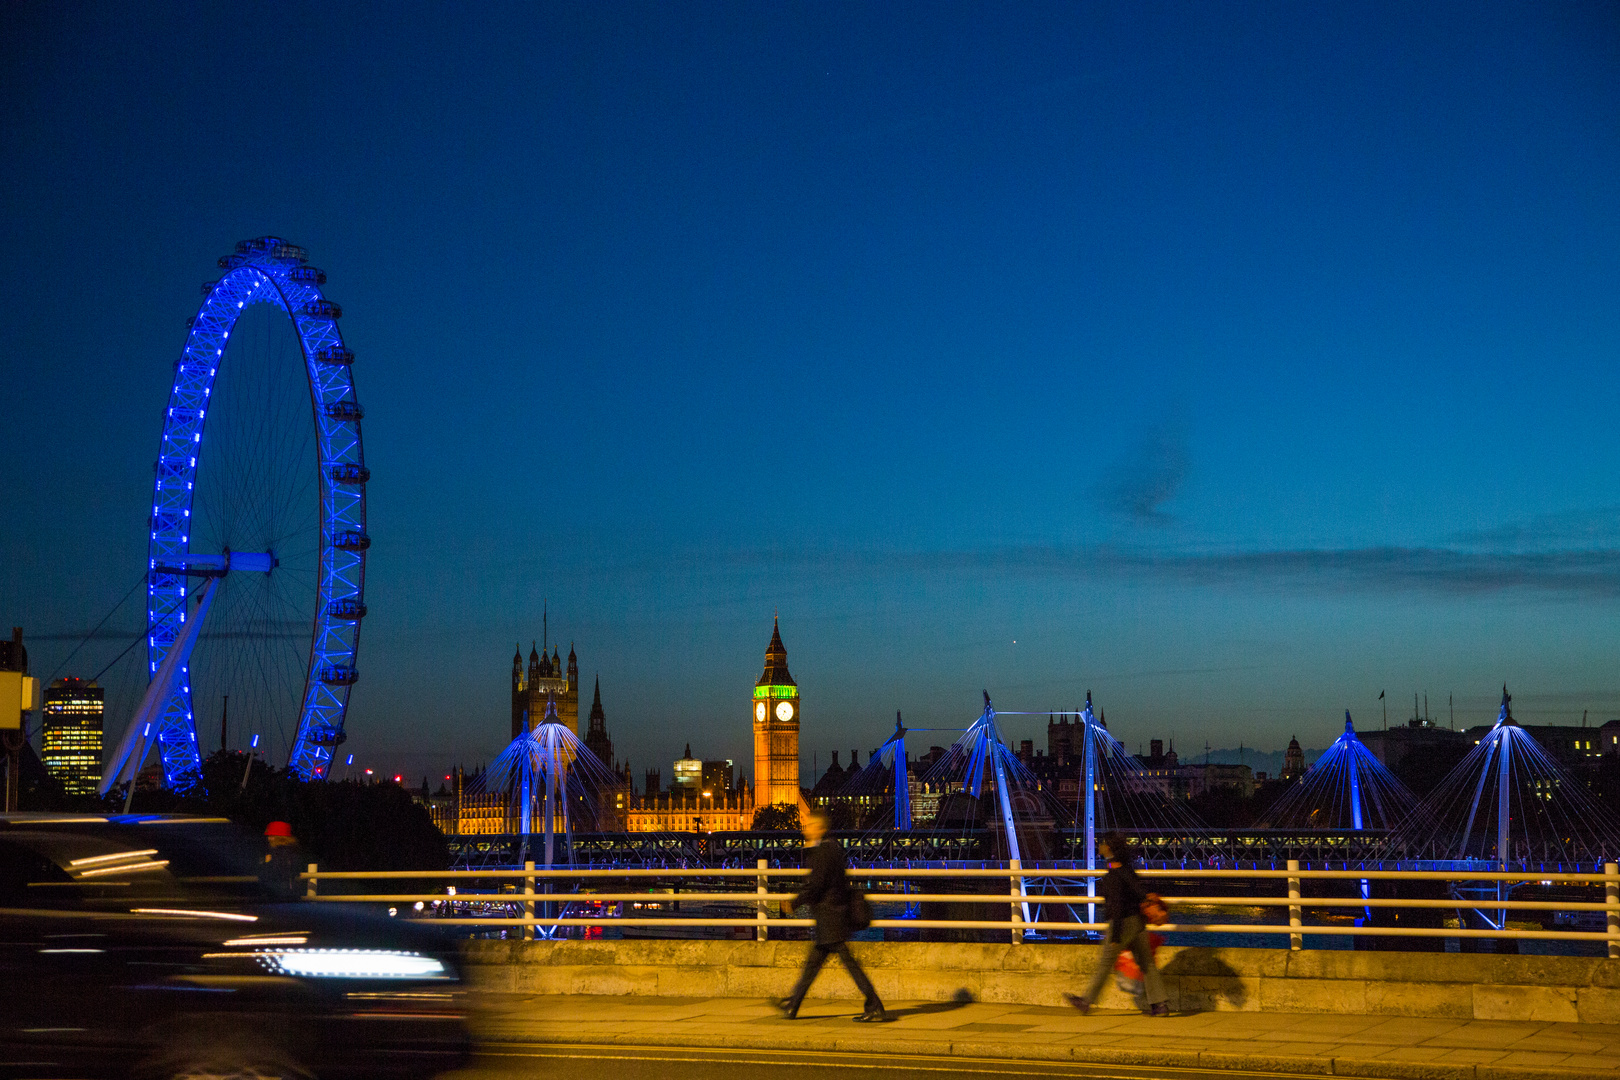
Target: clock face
x,y
759,711
784,711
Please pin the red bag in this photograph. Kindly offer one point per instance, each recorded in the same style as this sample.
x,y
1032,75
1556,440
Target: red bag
x,y
1127,966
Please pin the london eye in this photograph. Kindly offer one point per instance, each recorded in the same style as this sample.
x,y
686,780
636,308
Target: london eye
x,y
257,538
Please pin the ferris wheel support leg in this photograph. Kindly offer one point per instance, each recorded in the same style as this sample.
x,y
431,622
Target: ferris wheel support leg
x,y
132,744
140,760
165,681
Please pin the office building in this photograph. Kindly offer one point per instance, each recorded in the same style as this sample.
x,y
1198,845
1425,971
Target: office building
x,y
71,734
719,775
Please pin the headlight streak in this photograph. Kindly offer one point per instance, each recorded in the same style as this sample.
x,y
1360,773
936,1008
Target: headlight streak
x,y
115,857
125,868
190,914
270,939
350,964
399,995
185,821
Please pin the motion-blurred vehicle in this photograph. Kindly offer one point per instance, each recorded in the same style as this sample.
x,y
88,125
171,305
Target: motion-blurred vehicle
x,y
152,946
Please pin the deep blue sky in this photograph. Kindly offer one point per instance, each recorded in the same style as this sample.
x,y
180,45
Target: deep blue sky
x,y
1233,361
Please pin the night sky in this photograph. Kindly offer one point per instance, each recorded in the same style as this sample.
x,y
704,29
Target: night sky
x,y
1235,362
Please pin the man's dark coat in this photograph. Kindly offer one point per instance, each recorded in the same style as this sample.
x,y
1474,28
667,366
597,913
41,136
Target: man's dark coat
x,y
827,892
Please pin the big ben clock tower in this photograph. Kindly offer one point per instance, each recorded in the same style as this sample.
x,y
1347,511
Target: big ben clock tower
x,y
776,730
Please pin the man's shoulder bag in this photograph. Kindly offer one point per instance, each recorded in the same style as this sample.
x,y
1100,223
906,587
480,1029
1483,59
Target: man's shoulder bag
x,y
860,910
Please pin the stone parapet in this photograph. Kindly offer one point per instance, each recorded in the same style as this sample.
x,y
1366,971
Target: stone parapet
x,y
1453,986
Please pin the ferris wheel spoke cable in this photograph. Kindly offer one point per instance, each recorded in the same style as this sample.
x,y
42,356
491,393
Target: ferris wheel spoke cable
x,y
142,636
96,629
292,667
293,521
241,670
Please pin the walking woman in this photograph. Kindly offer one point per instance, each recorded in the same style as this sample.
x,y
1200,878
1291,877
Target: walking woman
x,y
827,892
1123,896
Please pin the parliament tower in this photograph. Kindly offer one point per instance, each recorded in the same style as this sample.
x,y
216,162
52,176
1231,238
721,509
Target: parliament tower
x,y
776,730
547,681
596,734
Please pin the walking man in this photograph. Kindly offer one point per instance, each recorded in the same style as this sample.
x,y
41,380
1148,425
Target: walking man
x,y
828,893
1123,896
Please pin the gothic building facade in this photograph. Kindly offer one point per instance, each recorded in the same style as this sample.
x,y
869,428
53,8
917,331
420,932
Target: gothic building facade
x,y
546,681
685,809
596,734
776,730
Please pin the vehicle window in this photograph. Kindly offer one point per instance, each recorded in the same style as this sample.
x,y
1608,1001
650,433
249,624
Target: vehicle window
x,y
212,861
22,870
115,866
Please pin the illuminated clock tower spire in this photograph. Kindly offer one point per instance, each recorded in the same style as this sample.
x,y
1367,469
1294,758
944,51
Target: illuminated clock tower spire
x,y
776,729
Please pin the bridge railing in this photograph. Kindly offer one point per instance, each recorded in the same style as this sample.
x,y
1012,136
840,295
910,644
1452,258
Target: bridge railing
x,y
1025,889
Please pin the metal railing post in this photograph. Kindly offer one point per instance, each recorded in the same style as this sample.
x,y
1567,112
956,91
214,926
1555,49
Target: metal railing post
x,y
1611,900
761,933
1018,896
309,886
1296,940
528,905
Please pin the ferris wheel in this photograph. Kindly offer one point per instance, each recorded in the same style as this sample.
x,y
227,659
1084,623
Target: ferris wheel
x,y
257,547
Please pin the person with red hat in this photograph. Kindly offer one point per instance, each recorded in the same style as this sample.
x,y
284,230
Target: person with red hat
x,y
282,859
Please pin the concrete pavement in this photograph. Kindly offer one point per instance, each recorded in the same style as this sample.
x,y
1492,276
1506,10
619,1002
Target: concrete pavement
x,y
506,1061
1407,1048
1449,986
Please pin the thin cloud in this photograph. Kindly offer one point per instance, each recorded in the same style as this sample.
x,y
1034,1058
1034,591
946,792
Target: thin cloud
x,y
1582,574
1568,531
1140,483
1593,574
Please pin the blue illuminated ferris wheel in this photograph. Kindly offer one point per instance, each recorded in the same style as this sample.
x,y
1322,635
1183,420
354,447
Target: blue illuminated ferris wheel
x,y
257,548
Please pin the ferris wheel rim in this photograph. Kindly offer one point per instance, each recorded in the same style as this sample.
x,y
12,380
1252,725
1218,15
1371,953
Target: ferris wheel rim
x,y
265,270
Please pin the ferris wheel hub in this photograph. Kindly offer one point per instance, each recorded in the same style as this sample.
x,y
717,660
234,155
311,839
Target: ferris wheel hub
x,y
194,564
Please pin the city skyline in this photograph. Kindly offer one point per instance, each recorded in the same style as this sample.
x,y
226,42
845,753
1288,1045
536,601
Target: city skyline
x,y
1234,365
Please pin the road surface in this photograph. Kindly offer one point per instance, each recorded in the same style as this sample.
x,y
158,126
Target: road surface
x,y
507,1061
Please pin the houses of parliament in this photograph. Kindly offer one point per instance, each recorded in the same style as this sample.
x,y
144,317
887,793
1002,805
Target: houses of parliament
x,y
703,795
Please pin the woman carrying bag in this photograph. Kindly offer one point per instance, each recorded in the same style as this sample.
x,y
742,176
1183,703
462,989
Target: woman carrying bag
x,y
1124,900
